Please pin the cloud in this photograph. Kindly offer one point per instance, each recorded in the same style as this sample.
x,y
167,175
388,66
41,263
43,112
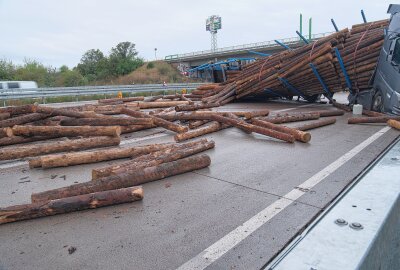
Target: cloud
x,y
59,32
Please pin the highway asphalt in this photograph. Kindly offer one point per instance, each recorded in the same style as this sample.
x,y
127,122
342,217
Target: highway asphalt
x,y
257,195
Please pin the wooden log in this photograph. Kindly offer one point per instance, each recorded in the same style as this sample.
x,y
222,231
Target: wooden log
x,y
111,121
66,112
157,121
70,204
154,159
19,139
6,132
317,124
196,107
327,113
23,119
209,128
372,113
197,123
16,110
394,124
129,129
130,179
58,146
71,159
127,99
252,128
70,131
165,104
5,115
107,170
291,118
297,134
379,119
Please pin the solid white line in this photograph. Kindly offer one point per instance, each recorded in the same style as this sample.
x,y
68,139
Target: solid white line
x,y
229,241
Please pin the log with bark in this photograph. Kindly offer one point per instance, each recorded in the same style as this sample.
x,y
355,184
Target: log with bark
x,y
291,118
316,124
70,204
195,107
213,126
6,132
5,115
156,120
57,146
174,152
111,121
165,104
394,124
130,179
69,131
379,119
23,119
19,139
297,134
127,99
16,110
67,112
71,159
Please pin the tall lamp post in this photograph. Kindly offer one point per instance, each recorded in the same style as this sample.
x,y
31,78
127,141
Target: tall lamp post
x,y
155,53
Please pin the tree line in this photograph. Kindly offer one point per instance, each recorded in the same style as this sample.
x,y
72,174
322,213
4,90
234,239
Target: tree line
x,y
94,67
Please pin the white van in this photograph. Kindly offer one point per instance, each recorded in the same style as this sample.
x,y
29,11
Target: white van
x,y
17,85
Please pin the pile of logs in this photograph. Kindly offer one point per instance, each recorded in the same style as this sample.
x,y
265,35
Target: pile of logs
x,y
290,73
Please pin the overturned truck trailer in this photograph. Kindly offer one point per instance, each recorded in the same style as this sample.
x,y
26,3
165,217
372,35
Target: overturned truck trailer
x,y
343,60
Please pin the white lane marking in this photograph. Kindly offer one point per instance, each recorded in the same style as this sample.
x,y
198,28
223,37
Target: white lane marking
x,y
229,241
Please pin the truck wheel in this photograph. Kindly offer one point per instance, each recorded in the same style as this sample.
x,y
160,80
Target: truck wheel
x,y
313,98
377,102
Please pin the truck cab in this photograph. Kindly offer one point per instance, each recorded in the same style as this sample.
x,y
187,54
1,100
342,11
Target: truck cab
x,y
384,95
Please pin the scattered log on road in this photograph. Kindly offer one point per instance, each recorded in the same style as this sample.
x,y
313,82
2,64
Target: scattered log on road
x,y
70,204
6,132
326,113
196,107
157,121
372,113
61,131
133,128
16,110
23,119
297,134
127,99
19,139
164,104
133,178
5,115
174,152
252,128
66,112
341,106
57,146
379,119
197,123
317,124
213,126
71,159
394,124
111,121
291,118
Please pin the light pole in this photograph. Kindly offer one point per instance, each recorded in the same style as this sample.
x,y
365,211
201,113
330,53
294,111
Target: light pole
x,y
155,53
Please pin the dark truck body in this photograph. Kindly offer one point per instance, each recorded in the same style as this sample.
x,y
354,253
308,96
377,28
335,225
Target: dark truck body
x,y
384,96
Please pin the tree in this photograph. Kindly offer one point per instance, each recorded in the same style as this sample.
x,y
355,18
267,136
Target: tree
x,y
123,60
92,62
7,70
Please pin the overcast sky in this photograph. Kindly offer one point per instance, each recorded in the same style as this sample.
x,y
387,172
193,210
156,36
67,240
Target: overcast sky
x,y
58,32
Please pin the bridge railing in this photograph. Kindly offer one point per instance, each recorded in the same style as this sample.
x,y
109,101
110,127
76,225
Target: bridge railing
x,y
250,46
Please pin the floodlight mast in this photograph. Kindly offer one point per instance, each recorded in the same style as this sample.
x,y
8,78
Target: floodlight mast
x,y
213,24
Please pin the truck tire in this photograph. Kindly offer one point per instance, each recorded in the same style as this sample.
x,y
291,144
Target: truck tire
x,y
313,98
377,102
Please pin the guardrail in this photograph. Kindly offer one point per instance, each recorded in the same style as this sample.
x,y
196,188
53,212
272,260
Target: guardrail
x,y
250,46
8,94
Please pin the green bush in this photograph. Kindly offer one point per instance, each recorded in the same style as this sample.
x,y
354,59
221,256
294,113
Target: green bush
x,y
150,65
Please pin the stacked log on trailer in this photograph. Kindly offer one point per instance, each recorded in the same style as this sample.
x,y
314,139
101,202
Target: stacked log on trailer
x,y
309,70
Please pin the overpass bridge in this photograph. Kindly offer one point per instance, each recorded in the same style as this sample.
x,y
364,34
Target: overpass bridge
x,y
194,59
